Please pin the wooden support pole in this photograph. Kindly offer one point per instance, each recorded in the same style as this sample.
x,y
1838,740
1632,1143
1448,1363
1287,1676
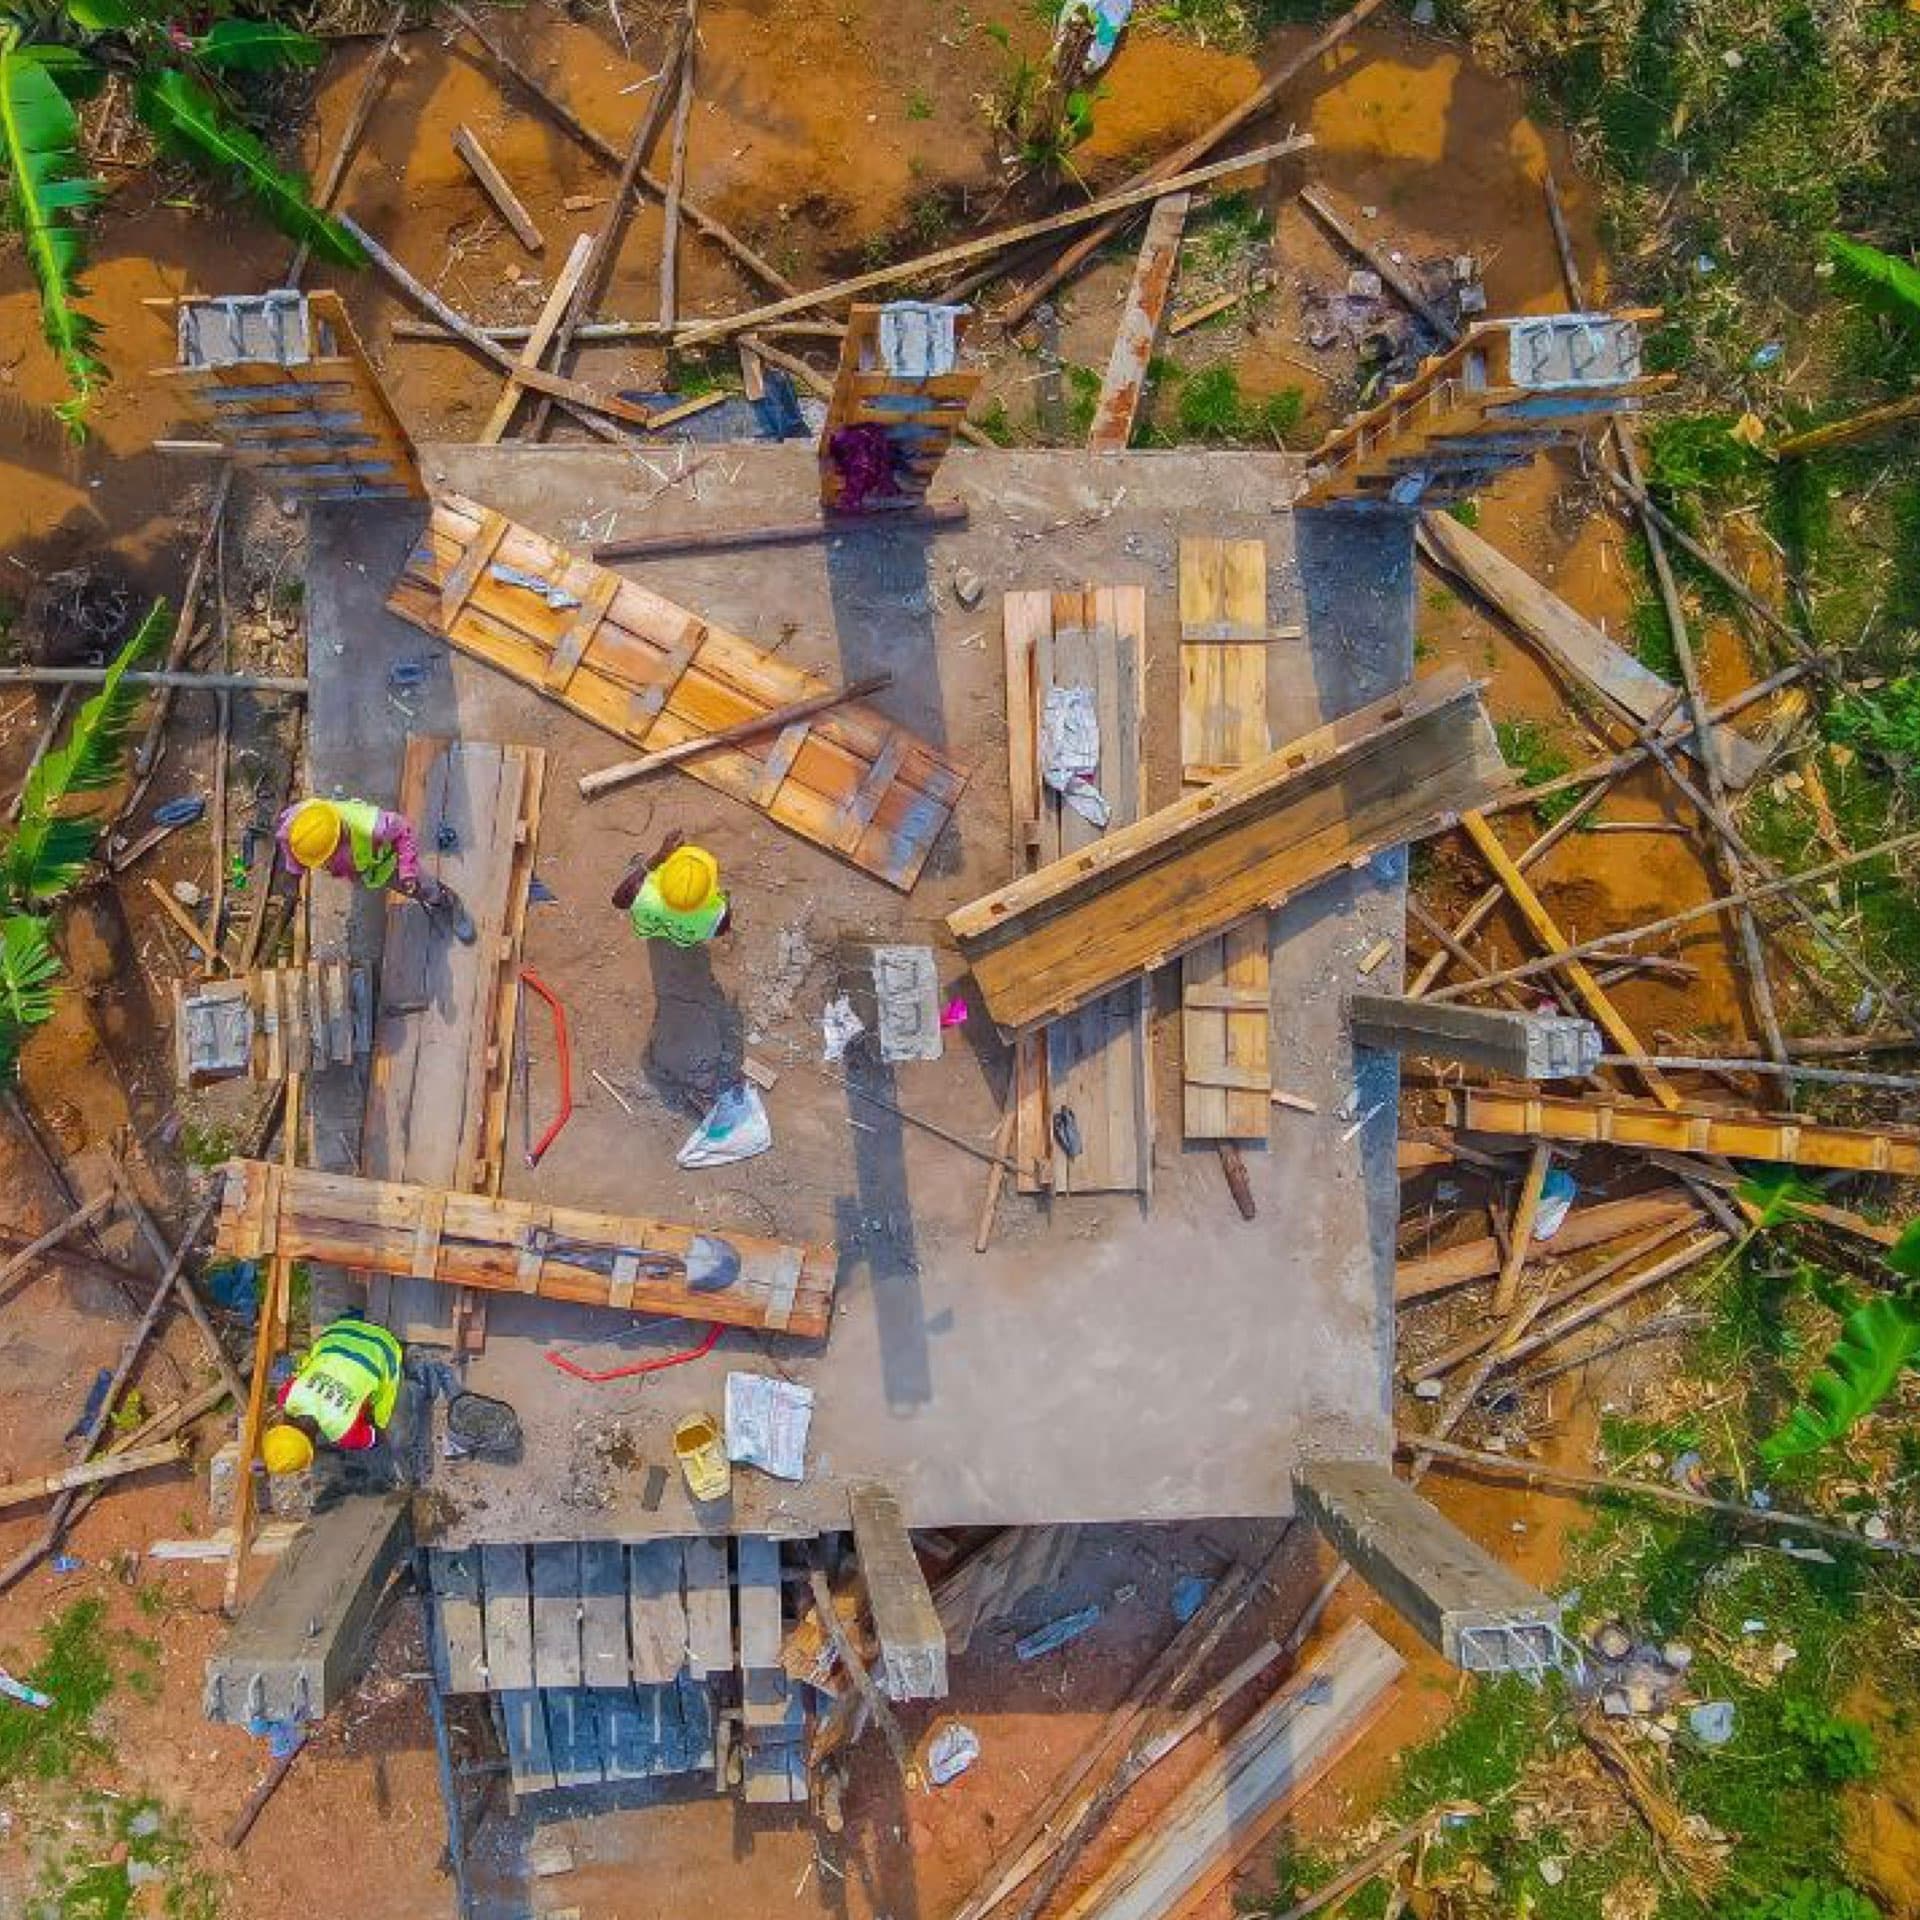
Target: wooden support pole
x,y
559,299
929,516
493,183
1138,336
84,1216
1843,433
966,250
144,755
677,169
1520,1234
23,1493
287,683
1547,931
334,176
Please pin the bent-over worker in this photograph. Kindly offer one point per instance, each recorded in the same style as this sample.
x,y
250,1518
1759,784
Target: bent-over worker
x,y
355,840
342,1395
676,895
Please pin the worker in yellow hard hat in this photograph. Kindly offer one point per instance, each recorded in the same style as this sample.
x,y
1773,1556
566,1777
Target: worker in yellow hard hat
x,y
342,1395
675,896
355,840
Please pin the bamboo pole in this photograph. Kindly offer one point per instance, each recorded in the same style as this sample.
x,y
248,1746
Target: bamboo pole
x,y
167,678
22,1493
1841,433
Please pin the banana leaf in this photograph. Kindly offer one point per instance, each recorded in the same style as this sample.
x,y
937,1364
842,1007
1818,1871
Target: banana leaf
x,y
28,967
1881,279
50,849
45,192
1862,1367
191,121
255,46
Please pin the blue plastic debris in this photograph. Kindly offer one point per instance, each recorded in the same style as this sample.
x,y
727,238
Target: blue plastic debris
x,y
66,1563
1056,1633
539,893
404,675
182,812
446,838
282,1736
1189,1592
235,1288
96,1399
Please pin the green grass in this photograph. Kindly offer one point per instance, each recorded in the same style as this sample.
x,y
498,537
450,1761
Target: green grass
x,y
1536,755
1083,399
123,1848
76,1668
919,106
996,423
1208,407
1237,26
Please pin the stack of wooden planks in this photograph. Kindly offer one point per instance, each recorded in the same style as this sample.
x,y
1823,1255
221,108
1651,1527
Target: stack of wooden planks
x,y
515,1246
919,415
272,1022
653,674
1096,1062
438,1083
1390,772
1225,1017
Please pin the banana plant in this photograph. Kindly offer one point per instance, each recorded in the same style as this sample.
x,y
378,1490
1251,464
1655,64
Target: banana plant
x,y
54,52
1878,1342
1881,279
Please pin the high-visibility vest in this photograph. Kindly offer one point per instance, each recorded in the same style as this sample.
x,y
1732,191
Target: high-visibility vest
x,y
374,863
653,919
353,1364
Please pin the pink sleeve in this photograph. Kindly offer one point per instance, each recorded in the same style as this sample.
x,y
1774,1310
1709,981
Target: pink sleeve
x,y
396,831
281,829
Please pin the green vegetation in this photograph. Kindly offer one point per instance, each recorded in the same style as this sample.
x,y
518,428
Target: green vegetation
x,y
190,89
1537,756
1236,26
919,105
1209,407
121,1848
76,1669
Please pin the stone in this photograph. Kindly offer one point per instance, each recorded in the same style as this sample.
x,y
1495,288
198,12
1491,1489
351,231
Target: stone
x,y
1613,1641
968,588
223,1477
1364,284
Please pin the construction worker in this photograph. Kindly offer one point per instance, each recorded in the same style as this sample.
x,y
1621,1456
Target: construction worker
x,y
676,895
342,1395
355,840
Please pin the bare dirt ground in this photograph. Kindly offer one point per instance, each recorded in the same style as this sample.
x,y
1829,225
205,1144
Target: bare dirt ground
x,y
817,130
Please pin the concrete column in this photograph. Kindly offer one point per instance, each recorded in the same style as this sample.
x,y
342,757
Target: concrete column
x,y
913,1643
1523,1046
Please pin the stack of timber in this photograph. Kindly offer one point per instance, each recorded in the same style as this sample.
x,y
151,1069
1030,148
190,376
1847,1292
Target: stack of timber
x,y
654,675
1098,1061
438,1083
1505,392
773,1725
1245,1789
272,1022
1226,1078
920,409
515,1246
283,381
1393,771
1689,1130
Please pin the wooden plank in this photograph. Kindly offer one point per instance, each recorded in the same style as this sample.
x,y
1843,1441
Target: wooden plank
x,y
756,1577
1099,1063
656,675
1520,1232
537,342
1245,1789
483,1242
604,1659
485,169
523,1722
1573,643
1584,1227
1693,1130
574,1733
1394,770
656,1613
459,1637
1026,628
556,1613
1547,931
1138,336
1225,1019
508,1617
709,1591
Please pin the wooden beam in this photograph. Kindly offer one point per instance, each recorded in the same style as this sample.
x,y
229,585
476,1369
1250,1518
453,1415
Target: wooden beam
x,y
1585,1227
1843,433
1520,1234
326,189
493,183
689,44
930,515
1785,1141
506,1246
1138,336
1547,931
23,1493
990,243
559,298
1394,770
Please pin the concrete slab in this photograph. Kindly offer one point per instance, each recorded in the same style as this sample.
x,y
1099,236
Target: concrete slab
x,y
1097,1363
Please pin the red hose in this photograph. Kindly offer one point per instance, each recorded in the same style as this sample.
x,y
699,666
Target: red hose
x,y
560,1119
679,1359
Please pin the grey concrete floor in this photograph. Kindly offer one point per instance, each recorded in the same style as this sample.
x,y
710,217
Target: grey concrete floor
x,y
1101,1362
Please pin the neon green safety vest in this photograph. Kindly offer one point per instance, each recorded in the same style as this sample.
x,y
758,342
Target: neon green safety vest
x,y
352,1364
653,919
374,864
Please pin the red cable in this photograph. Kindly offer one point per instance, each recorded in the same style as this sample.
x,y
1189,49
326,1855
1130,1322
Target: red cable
x,y
561,1118
679,1359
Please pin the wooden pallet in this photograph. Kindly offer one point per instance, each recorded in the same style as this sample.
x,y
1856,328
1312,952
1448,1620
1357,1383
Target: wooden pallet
x,y
921,417
515,1246
1098,1061
564,1738
315,425
1226,1079
1393,771
1739,1136
272,1022
439,1080
653,674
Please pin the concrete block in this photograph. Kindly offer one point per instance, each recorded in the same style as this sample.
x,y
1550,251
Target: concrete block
x,y
299,1643
1523,1046
1480,1615
913,1643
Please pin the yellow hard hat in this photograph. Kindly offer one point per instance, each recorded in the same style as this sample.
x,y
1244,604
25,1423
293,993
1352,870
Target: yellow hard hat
x,y
286,1450
314,832
689,878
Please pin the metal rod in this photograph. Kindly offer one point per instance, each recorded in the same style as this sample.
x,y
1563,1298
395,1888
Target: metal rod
x,y
1707,1063
290,683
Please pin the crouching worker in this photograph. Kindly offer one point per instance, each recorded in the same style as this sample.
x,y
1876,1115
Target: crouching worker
x,y
675,896
342,1396
355,840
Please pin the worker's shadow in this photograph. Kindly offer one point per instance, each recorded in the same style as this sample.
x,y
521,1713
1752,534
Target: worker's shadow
x,y
698,1041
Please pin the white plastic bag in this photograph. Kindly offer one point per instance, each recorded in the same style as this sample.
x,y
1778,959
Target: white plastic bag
x,y
767,1421
736,1128
1070,751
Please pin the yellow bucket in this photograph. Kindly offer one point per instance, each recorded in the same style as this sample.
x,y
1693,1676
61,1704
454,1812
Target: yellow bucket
x,y
703,1457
